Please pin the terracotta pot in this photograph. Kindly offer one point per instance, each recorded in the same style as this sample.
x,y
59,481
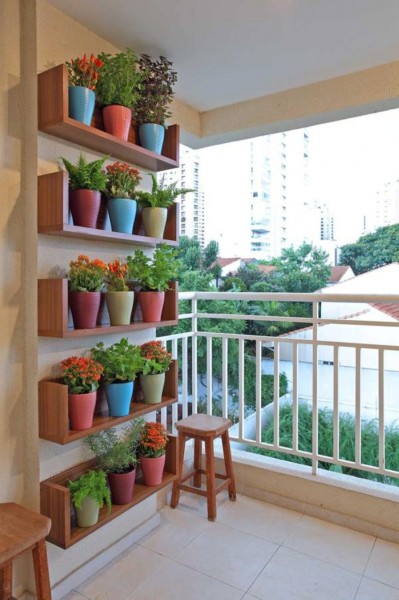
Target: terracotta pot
x,y
81,410
152,469
151,305
154,221
84,307
87,515
152,386
121,485
117,120
85,206
119,306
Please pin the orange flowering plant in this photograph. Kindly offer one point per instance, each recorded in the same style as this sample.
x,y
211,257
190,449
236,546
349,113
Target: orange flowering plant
x,y
81,374
116,276
153,440
86,275
157,358
83,71
122,180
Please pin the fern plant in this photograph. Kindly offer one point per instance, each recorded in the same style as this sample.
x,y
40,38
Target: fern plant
x,y
116,454
119,80
161,195
86,175
92,484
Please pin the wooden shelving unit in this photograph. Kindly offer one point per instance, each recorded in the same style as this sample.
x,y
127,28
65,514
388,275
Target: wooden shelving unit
x,y
53,409
54,119
55,500
53,217
54,312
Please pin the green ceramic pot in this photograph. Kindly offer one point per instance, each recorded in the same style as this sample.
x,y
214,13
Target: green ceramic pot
x,y
119,306
87,515
152,386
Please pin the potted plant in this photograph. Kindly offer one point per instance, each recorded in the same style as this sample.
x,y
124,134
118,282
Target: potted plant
x,y
155,205
151,452
122,181
121,361
152,379
86,182
152,106
86,280
82,376
88,494
82,79
153,275
119,298
117,91
116,455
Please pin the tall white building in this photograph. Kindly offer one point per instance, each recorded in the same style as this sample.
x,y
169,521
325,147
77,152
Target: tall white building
x,y
192,205
387,204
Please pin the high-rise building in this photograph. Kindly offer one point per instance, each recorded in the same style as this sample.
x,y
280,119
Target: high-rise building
x,y
387,204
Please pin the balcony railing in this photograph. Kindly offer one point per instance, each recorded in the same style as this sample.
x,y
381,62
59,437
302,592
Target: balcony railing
x,y
342,360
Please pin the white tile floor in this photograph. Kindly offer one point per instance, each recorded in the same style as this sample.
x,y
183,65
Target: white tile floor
x,y
254,551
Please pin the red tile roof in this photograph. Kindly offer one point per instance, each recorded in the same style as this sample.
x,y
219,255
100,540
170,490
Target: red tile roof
x,y
388,309
337,273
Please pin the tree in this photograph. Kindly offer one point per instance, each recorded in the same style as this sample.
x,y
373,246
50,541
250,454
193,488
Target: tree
x,y
300,270
210,254
250,274
372,250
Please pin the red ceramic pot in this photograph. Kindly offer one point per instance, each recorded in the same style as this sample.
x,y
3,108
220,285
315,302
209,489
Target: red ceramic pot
x,y
117,120
121,486
153,469
151,305
81,410
85,206
84,308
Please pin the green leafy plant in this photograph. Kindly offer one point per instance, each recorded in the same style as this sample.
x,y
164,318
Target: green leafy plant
x,y
86,275
153,440
161,195
92,484
86,175
121,361
156,90
157,358
154,273
119,80
122,180
116,453
81,374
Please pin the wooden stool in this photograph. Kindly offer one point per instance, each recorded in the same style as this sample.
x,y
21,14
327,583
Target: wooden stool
x,y
21,530
204,428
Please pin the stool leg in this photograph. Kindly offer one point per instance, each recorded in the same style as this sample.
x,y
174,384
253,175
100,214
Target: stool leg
x,y
210,479
176,488
228,465
43,589
6,582
197,462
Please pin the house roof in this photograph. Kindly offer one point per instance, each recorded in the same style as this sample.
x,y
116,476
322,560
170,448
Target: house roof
x,y
337,273
388,309
224,262
266,269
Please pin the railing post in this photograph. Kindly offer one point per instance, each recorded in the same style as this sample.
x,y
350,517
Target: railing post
x,y
194,359
315,413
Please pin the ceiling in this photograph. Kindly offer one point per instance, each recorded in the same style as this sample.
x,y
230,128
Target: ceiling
x,y
227,51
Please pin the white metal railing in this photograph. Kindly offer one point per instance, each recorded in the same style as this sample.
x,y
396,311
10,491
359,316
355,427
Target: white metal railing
x,y
327,335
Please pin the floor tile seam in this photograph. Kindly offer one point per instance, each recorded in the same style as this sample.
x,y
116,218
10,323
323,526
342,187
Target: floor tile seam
x,y
80,594
326,562
369,556
180,549
164,566
254,535
234,587
261,571
392,587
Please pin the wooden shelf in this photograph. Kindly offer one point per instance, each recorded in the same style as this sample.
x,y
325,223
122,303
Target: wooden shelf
x,y
54,217
54,119
54,313
53,409
55,500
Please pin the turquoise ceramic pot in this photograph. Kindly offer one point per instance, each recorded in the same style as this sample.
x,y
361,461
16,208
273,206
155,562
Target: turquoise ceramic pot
x,y
122,212
152,136
81,104
119,397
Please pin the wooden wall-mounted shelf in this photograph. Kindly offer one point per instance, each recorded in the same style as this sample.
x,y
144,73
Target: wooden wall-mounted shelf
x,y
53,217
55,500
53,409
54,119
54,312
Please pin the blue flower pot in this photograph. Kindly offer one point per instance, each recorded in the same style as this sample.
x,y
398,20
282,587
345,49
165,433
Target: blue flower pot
x,y
152,136
119,397
122,212
81,103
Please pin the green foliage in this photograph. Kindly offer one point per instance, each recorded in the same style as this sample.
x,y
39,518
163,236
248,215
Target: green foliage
x,y
210,254
372,250
92,484
161,195
84,175
250,274
232,284
116,453
119,80
157,81
121,361
154,273
195,280
300,270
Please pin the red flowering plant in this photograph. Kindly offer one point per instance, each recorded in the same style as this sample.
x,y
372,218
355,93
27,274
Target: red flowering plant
x,y
86,275
122,180
84,72
157,358
153,440
117,273
80,374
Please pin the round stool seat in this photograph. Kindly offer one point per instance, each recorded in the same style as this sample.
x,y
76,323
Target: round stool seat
x,y
204,425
